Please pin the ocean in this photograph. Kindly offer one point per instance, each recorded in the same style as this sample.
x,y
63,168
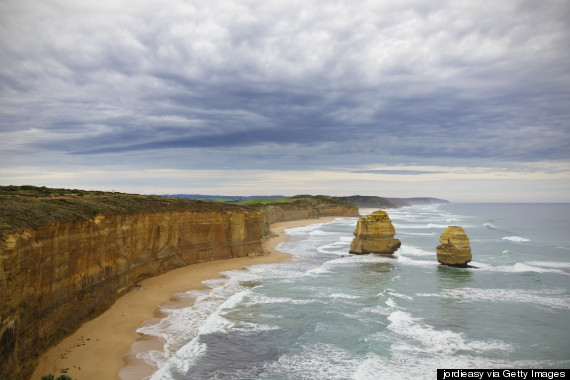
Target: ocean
x,y
326,314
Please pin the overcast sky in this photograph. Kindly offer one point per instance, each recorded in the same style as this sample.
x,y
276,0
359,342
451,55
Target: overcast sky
x,y
463,100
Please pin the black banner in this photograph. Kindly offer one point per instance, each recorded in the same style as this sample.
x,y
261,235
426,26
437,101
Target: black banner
x,y
550,374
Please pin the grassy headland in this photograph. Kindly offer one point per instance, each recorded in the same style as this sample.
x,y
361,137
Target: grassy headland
x,y
33,207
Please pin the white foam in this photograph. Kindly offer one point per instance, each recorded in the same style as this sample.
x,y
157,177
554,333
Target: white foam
x,y
549,264
153,357
435,341
182,329
400,295
531,266
516,239
403,365
445,341
521,268
348,258
414,251
342,295
321,361
376,310
179,363
337,247
249,327
182,326
429,295
317,272
550,298
390,302
410,261
263,299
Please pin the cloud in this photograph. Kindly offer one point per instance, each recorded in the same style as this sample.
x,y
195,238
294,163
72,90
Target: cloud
x,y
284,85
397,171
452,183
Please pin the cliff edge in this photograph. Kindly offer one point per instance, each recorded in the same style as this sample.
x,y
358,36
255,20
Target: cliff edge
x,y
67,255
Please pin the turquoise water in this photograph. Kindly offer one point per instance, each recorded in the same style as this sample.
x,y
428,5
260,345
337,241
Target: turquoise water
x,y
326,314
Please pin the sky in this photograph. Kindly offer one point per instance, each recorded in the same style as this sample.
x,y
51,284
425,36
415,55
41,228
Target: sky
x,y
464,100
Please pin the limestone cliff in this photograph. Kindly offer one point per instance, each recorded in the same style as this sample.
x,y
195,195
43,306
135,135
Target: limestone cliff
x,y
65,256
56,277
374,234
454,249
280,213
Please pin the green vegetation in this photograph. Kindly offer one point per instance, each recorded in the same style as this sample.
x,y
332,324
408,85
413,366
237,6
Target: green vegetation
x,y
267,201
296,201
32,207
322,199
52,377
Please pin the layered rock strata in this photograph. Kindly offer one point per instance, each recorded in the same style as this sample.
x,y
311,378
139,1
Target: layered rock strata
x,y
59,275
54,278
275,214
374,234
454,249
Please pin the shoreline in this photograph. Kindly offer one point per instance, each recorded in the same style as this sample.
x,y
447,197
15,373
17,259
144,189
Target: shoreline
x,y
99,348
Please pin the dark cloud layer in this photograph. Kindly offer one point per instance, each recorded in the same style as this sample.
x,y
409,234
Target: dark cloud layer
x,y
319,82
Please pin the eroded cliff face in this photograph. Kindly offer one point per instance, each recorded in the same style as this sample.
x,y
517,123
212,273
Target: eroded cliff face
x,y
56,277
274,214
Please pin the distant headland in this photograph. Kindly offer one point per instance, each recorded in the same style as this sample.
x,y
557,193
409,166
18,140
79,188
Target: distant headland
x,y
361,201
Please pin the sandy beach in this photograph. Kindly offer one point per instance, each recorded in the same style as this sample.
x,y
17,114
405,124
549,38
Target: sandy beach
x,y
98,349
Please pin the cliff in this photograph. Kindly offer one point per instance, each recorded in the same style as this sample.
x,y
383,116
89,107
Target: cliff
x,y
303,207
374,234
65,256
55,277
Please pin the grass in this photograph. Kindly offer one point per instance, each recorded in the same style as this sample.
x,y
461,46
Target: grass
x,y
267,201
32,207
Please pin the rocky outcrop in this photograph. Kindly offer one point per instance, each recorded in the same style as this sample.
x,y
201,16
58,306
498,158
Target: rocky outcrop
x,y
56,277
374,234
454,249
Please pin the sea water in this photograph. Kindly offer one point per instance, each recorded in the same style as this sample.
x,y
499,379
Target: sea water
x,y
327,314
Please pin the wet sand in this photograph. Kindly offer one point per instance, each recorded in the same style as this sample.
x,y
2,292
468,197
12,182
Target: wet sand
x,y
98,349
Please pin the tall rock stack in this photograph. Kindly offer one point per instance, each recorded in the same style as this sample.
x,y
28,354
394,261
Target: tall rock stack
x,y
374,234
454,249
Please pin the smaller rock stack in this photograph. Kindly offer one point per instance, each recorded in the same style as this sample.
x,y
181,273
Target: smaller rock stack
x,y
454,249
374,234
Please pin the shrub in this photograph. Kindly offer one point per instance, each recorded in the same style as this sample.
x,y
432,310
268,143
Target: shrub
x,y
60,377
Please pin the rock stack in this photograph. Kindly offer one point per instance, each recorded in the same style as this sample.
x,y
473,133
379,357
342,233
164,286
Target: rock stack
x,y
374,234
454,249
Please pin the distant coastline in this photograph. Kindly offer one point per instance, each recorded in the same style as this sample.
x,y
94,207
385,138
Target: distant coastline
x,y
361,201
